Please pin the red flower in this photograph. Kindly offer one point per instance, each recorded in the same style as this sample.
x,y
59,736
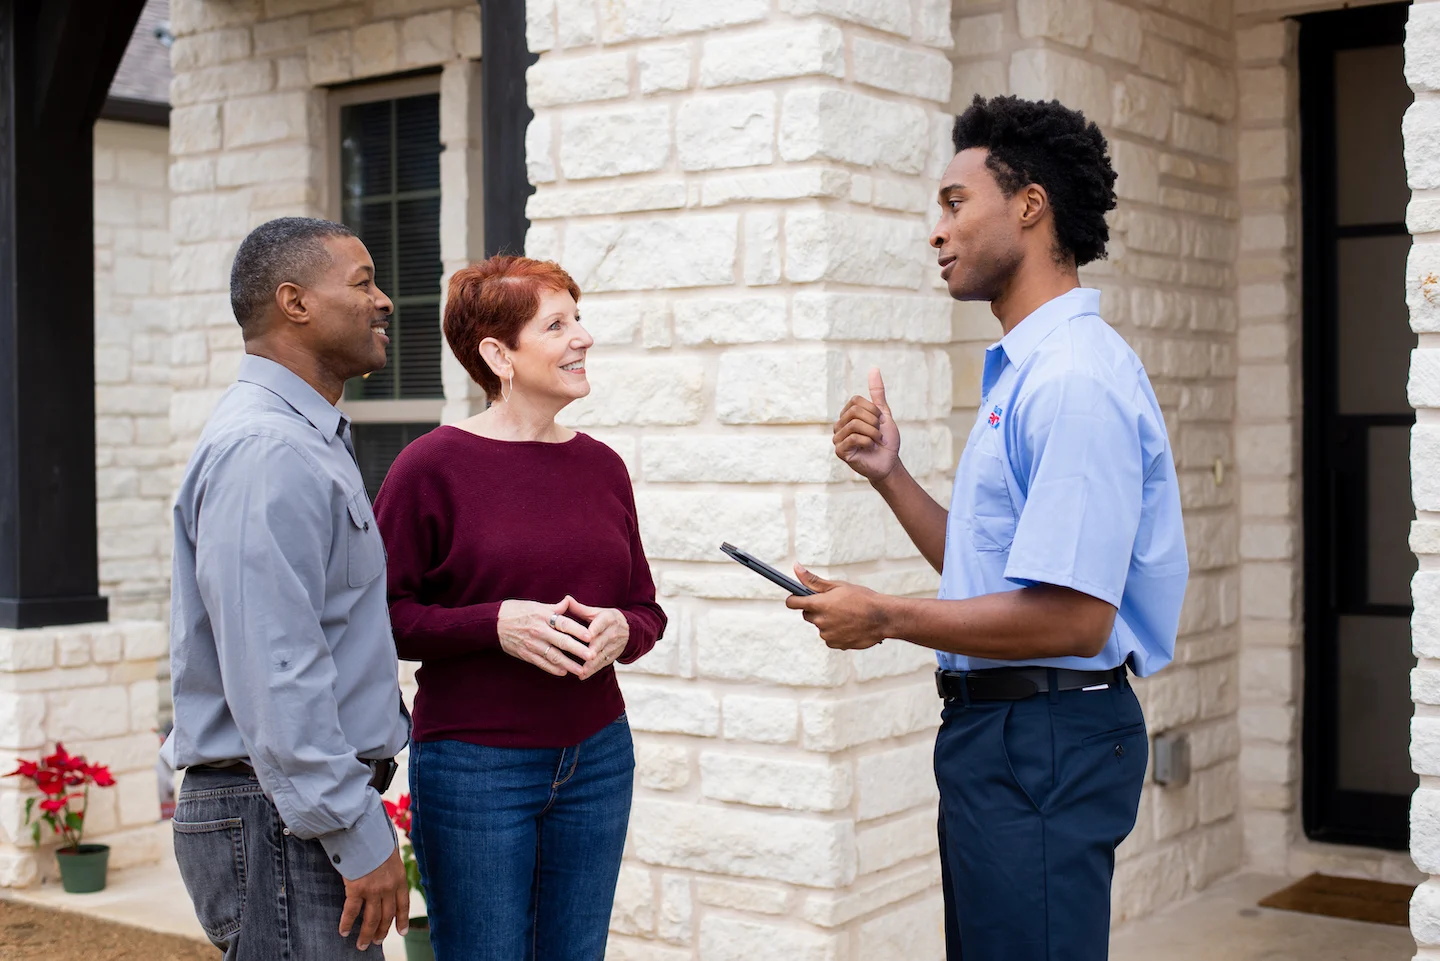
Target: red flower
x,y
100,774
399,813
53,804
26,769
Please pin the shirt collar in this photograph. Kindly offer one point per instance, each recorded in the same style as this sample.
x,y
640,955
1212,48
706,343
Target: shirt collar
x,y
1040,323
292,389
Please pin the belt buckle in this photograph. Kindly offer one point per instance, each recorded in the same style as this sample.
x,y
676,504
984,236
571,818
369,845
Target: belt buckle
x,y
940,684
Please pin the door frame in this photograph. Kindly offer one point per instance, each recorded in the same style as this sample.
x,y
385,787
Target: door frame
x,y
1330,814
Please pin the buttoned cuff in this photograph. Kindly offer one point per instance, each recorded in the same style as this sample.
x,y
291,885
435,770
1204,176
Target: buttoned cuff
x,y
363,847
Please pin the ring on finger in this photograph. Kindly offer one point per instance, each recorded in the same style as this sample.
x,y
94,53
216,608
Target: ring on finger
x,y
553,618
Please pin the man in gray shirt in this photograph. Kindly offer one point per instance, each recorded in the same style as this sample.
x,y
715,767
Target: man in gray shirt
x,y
287,700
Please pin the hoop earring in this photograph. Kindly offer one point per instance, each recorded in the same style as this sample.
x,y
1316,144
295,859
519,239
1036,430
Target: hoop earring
x,y
504,397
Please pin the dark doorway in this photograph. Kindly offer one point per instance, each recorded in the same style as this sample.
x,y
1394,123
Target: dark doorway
x,y
1357,343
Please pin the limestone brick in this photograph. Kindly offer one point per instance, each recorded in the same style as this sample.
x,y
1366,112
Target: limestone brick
x,y
806,48
1043,74
706,521
695,251
744,896
890,17
979,35
643,19
736,130
553,82
759,645
853,248
838,124
671,710
777,782
663,68
768,720
790,184
834,725
1116,31
731,841
607,143
1070,22
1143,106
895,780
1422,287
795,385
1422,62
661,766
762,265
733,939
741,459
901,69
1422,143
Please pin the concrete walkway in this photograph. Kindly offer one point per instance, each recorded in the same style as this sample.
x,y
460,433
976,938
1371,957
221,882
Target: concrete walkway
x,y
1223,924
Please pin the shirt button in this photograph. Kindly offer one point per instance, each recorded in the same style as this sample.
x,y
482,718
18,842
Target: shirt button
x,y
286,832
367,525
336,859
1119,750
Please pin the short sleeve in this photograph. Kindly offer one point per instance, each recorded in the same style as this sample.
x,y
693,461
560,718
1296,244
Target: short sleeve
x,y
1077,452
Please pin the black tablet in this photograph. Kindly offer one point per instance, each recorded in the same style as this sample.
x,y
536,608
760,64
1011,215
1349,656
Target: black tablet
x,y
765,570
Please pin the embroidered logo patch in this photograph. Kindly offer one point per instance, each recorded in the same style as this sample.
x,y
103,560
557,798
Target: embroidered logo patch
x,y
994,418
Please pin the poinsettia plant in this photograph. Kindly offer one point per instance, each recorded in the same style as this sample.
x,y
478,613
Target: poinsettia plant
x,y
399,812
61,778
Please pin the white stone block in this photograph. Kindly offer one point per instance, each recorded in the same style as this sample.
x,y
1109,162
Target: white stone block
x,y
559,204
1425,913
826,315
1068,21
1144,106
376,48
916,930
641,19
667,709
1425,830
932,26
137,797
855,248
1422,286
976,36
28,650
839,528
751,844
22,721
609,143
686,525
427,39
579,26
540,25
661,766
831,123
896,780
886,845
146,640
882,14
1425,466
1208,89
677,909
550,82
746,320
795,785
739,644
1424,383
663,68
633,911
746,896
793,184
1041,74
732,939
762,248
741,459
1425,622
916,72
1422,47
87,712
1116,31
539,150
695,251
766,720
840,723
792,50
716,132
794,385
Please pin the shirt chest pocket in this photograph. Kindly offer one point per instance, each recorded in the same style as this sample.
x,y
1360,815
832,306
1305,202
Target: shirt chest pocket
x,y
365,552
991,508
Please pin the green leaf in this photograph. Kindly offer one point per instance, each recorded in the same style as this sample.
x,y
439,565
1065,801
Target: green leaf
x,y
30,810
35,833
72,820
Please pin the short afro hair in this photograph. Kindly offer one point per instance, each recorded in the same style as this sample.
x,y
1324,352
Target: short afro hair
x,y
284,250
1048,144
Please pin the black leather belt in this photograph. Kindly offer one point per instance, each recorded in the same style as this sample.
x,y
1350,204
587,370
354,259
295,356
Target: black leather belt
x,y
382,770
1018,683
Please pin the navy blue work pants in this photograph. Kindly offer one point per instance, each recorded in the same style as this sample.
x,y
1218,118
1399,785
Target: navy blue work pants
x,y
1034,797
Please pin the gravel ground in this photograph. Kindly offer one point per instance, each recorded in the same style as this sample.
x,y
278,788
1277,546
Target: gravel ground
x,y
29,933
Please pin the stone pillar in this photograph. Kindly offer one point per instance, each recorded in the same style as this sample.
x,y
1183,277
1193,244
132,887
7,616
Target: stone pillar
x,y
744,197
1268,441
91,686
1422,294
462,215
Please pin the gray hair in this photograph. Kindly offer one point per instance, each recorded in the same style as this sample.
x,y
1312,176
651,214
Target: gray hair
x,y
284,250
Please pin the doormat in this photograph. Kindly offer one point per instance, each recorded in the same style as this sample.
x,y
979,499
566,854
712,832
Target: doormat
x,y
1375,901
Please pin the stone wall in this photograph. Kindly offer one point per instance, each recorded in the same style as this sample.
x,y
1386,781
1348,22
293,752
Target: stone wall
x,y
742,191
92,687
132,368
1422,293
1160,80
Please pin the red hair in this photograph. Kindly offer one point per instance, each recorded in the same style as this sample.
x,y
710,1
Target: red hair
x,y
495,298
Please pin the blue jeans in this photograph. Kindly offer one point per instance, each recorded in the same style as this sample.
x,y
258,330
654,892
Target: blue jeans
x,y
259,893
519,848
1035,795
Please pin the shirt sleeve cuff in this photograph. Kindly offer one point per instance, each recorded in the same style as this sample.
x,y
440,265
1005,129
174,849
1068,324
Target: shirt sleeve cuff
x,y
360,849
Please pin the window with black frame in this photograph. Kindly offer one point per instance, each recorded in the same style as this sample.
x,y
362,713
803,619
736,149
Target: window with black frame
x,y
389,180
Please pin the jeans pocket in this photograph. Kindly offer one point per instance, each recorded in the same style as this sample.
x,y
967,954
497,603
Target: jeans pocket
x,y
211,856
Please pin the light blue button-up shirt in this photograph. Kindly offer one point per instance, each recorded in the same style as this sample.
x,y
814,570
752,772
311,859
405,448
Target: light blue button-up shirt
x,y
280,645
1067,478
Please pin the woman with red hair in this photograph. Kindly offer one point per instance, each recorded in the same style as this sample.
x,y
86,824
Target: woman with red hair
x,y
517,579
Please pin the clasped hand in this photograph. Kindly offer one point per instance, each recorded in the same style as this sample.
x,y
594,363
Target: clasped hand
x,y
564,638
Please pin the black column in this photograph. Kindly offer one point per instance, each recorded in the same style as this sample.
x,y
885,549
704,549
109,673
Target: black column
x,y
504,117
57,58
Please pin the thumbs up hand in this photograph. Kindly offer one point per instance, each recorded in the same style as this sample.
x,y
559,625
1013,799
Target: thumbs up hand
x,y
866,436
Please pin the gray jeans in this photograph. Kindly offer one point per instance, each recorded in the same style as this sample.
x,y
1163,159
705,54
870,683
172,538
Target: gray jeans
x,y
260,894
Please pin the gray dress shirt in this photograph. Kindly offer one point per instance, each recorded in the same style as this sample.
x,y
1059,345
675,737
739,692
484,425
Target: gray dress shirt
x,y
280,644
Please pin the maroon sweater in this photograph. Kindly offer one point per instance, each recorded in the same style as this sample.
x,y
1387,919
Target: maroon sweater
x,y
470,522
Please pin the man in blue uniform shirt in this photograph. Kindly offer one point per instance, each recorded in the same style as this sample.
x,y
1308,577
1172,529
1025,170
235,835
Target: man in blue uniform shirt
x,y
1062,555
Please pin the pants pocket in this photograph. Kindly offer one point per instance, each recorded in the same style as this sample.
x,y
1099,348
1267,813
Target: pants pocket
x,y
211,856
